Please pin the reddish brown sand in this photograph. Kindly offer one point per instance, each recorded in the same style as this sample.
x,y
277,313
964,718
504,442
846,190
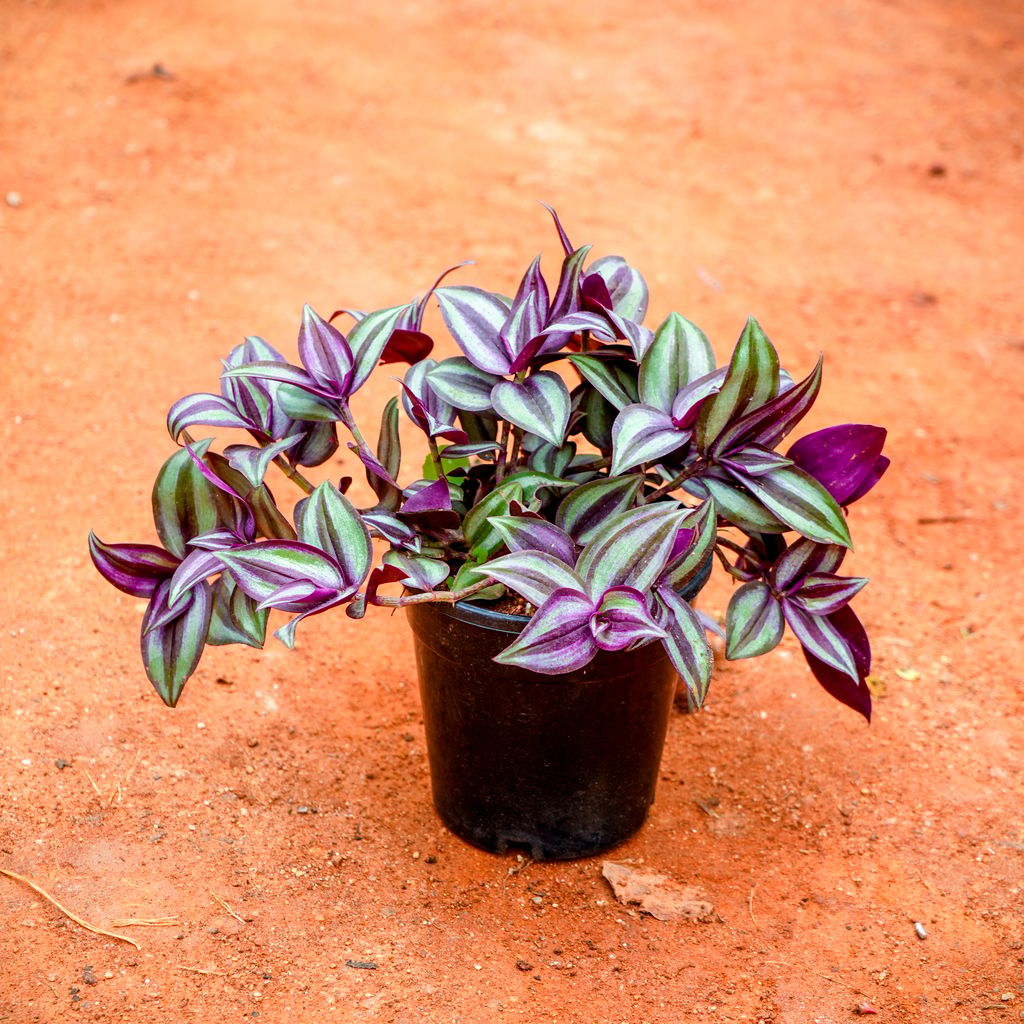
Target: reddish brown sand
x,y
850,172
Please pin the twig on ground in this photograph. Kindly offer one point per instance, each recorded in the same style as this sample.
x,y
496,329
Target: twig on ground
x,y
202,970
64,910
144,922
237,917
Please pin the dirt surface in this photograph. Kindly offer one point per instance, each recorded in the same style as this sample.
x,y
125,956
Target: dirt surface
x,y
850,172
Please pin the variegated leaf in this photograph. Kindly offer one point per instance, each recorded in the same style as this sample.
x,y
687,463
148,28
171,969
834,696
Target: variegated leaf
x,y
753,622
539,405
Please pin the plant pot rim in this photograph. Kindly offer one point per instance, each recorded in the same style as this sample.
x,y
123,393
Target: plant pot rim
x,y
484,617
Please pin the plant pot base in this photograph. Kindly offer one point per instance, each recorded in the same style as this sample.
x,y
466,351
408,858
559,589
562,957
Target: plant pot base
x,y
559,767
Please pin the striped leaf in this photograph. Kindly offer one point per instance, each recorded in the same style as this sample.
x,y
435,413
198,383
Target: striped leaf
x,y
325,353
171,652
235,618
475,319
684,567
630,549
137,569
283,373
752,380
740,508
420,572
327,520
522,534
533,574
539,405
802,503
369,338
768,424
754,460
557,639
822,593
753,622
627,288
801,559
686,643
622,618
821,638
679,354
584,510
253,463
643,434
614,378
853,693
205,409
461,384
261,570
184,502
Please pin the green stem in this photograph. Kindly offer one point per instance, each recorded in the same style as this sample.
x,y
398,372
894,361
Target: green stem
x,y
728,566
293,474
435,455
499,469
441,596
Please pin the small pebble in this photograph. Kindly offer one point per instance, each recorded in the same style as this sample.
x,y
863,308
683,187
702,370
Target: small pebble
x,y
524,965
88,977
919,928
13,199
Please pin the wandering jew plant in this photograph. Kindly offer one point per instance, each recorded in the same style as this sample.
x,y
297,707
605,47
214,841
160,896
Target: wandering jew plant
x,y
591,466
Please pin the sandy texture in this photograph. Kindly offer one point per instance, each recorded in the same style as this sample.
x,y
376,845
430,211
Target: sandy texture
x,y
850,172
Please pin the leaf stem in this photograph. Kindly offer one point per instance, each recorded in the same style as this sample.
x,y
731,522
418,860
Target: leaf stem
x,y
517,440
435,455
499,470
440,596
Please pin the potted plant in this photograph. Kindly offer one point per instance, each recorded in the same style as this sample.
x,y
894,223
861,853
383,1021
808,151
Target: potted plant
x,y
582,474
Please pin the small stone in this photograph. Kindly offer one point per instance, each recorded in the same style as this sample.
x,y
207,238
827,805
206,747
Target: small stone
x,y
524,965
1007,997
62,764
88,976
919,929
13,200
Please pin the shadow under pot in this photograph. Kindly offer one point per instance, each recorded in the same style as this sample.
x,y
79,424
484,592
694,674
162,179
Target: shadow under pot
x,y
559,767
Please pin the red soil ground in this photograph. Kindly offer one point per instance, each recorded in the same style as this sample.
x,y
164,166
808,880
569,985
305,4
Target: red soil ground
x,y
850,172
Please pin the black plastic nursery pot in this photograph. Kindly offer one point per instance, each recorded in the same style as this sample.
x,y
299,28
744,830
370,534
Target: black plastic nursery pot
x,y
558,766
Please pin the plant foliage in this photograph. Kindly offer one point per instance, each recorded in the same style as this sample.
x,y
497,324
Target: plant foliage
x,y
588,463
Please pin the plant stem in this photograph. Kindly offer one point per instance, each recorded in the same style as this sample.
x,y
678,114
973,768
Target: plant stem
x,y
435,455
728,566
499,470
675,481
442,596
517,440
293,474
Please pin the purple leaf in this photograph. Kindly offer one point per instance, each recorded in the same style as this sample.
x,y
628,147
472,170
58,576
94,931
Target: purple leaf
x,y
523,534
433,498
754,460
253,463
753,622
539,405
566,244
622,618
324,351
643,434
557,639
196,566
625,286
461,384
838,684
379,577
368,340
407,347
171,652
693,545
846,459
533,574
243,522
137,569
688,402
283,373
